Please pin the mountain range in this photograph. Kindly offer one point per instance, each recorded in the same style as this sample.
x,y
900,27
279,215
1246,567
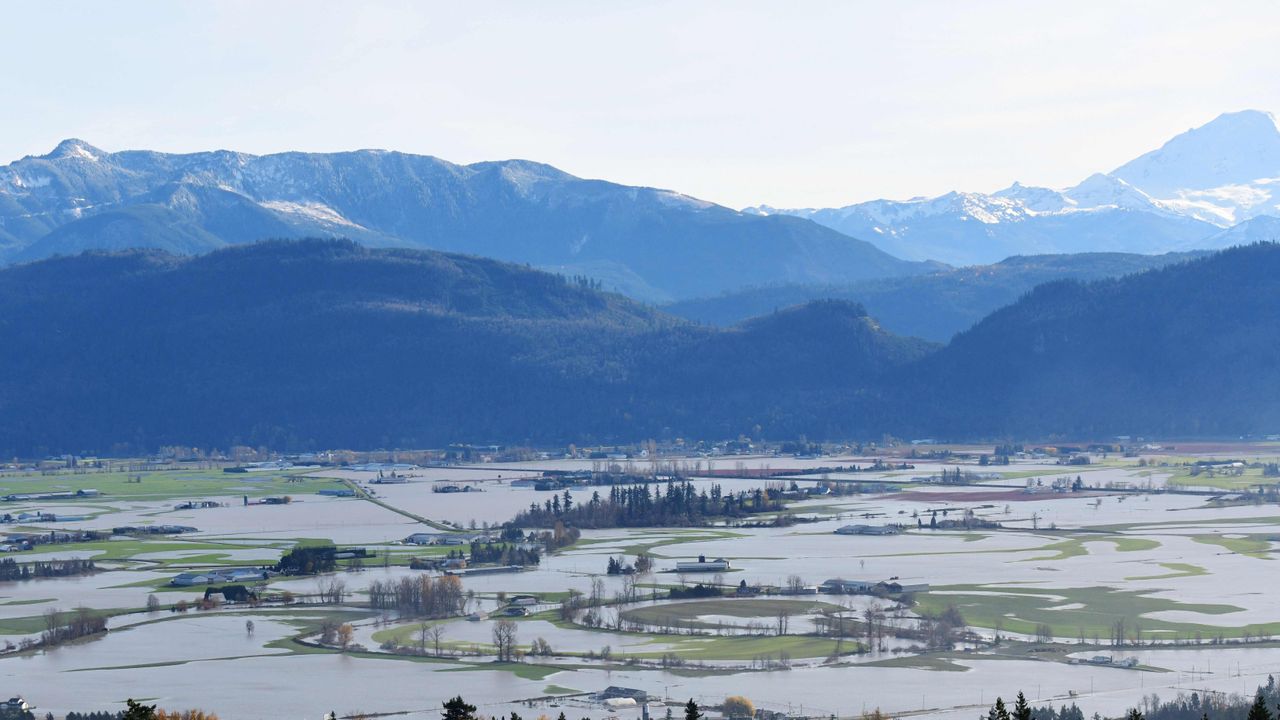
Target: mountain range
x,y
324,343
1207,188
652,244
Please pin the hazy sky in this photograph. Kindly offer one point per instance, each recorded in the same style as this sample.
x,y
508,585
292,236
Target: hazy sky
x,y
787,103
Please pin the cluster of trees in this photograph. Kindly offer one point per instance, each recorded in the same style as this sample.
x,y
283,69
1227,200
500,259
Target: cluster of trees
x,y
1211,706
504,554
641,506
308,560
619,565
1264,705
695,591
11,569
421,596
62,626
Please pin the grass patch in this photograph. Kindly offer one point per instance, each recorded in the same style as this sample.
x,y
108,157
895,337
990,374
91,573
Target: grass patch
x,y
525,671
685,614
1021,609
1255,546
1177,570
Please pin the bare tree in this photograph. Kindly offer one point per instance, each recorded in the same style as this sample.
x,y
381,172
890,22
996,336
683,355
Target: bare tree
x,y
795,584
437,632
504,639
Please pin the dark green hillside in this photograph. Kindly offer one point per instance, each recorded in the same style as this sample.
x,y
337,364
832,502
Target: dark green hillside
x,y
1192,349
934,306
326,343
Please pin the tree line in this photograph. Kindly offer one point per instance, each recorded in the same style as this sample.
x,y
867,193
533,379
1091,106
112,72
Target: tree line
x,y
641,506
11,569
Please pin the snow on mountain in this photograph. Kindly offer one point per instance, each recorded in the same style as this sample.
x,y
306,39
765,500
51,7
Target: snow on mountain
x,y
659,242
1232,149
1170,199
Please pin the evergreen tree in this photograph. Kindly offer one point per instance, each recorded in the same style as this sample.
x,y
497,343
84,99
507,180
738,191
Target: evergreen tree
x,y
691,711
998,711
1021,710
138,711
1259,710
1133,715
458,709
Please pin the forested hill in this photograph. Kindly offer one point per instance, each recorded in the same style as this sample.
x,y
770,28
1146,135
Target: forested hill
x,y
313,344
330,344
1192,349
935,306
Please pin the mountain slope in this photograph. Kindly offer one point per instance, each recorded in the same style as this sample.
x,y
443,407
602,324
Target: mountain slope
x,y
935,306
1192,349
1178,197
654,241
326,343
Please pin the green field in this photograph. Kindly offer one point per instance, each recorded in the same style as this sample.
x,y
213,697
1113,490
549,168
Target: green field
x,y
1020,609
685,614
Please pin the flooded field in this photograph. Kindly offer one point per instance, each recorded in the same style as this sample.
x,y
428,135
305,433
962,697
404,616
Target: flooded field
x,y
1051,574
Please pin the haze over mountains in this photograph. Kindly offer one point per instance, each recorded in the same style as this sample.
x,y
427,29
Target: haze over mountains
x,y
934,306
312,344
653,244
1204,189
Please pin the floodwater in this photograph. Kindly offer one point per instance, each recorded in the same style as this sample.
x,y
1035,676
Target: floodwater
x,y
1134,542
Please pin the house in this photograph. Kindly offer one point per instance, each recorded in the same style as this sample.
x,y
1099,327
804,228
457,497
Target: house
x,y
869,530
703,565
15,703
524,600
515,611
840,586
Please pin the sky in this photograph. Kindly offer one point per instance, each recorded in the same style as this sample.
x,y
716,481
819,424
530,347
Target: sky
x,y
791,104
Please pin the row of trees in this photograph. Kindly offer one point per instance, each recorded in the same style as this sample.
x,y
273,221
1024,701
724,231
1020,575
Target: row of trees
x,y
641,506
62,626
309,560
420,596
11,569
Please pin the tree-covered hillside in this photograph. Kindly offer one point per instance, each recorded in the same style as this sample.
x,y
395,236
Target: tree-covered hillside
x,y
1192,349
327,343
934,306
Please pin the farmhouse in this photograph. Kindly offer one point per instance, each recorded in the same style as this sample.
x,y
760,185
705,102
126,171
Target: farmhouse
x,y
703,565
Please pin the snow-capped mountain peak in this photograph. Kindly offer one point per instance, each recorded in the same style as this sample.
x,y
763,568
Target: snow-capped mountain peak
x,y
75,148
1105,191
1233,149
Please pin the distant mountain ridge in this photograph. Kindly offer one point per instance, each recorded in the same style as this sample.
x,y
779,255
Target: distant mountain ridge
x,y
1188,350
938,305
654,244
1179,197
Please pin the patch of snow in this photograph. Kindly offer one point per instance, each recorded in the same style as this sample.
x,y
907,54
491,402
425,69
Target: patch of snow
x,y
314,211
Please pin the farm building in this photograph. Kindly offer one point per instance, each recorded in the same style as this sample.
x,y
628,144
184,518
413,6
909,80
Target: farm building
x,y
840,586
703,565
